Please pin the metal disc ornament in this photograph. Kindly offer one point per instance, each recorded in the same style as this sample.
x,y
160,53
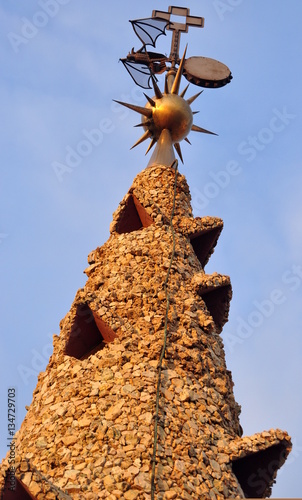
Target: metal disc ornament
x,y
206,72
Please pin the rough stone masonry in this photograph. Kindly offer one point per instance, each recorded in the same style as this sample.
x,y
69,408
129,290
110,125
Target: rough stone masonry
x,y
89,431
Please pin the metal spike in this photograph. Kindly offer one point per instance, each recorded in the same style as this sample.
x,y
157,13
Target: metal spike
x,y
149,100
195,128
156,89
139,109
187,140
176,83
145,124
184,91
153,141
177,147
192,99
143,138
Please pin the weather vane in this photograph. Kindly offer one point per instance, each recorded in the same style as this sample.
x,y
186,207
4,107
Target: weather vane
x,y
167,117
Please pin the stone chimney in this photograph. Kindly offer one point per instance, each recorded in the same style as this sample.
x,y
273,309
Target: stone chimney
x,y
89,432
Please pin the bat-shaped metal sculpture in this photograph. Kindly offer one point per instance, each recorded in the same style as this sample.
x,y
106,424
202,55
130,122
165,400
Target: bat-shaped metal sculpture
x,y
142,64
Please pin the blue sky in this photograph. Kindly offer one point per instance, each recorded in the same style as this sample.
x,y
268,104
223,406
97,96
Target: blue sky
x,y
60,72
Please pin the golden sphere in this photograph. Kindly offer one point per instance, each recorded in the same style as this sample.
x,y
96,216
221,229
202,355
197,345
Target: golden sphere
x,y
171,112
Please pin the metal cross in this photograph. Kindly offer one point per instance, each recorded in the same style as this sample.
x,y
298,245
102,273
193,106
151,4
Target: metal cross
x,y
178,28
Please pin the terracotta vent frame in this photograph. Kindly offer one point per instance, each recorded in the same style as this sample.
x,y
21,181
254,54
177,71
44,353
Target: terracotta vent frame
x,y
89,333
20,493
133,217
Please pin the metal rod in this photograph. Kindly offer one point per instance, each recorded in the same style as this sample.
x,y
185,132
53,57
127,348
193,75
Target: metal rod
x,y
174,58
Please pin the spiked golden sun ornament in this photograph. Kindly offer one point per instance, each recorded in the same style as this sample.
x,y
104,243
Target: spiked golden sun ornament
x,y
167,117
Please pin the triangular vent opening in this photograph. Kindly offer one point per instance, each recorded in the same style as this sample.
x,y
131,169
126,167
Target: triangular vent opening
x,y
21,492
204,242
89,333
217,300
133,217
256,472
